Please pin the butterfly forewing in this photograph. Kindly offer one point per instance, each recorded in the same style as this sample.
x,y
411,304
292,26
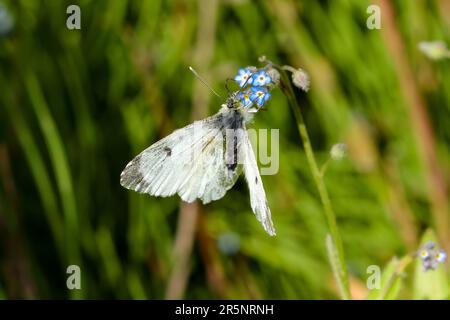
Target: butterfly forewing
x,y
191,161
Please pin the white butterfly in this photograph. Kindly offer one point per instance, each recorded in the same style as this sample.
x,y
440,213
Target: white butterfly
x,y
202,161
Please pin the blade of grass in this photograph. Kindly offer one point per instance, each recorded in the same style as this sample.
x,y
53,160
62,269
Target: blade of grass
x,y
62,170
38,170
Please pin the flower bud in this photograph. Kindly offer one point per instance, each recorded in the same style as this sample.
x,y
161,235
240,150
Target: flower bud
x,y
301,79
274,75
338,151
252,69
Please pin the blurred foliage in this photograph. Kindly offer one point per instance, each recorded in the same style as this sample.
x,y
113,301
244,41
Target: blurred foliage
x,y
77,105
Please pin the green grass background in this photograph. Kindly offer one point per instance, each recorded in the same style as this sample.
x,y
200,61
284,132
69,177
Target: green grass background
x,y
76,106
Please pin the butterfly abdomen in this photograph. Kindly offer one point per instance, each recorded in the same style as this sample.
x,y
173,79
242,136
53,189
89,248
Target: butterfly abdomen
x,y
233,125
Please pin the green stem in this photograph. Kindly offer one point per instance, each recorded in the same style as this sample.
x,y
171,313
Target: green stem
x,y
324,167
341,274
399,269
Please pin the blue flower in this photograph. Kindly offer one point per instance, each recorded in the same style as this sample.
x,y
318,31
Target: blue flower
x,y
244,98
440,256
429,264
259,95
244,77
229,243
424,254
261,78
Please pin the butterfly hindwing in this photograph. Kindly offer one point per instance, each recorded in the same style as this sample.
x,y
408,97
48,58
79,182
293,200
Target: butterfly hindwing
x,y
258,198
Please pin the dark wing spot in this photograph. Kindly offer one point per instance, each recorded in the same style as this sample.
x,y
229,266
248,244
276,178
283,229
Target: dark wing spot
x,y
256,180
168,151
131,176
219,118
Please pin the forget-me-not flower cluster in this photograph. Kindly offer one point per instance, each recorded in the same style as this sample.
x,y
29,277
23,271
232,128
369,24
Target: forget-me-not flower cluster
x,y
431,256
254,87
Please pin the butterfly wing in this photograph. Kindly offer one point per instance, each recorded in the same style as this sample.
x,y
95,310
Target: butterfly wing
x,y
190,162
258,199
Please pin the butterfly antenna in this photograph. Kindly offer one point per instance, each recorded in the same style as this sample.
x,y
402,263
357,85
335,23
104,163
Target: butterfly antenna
x,y
243,86
245,83
226,84
203,81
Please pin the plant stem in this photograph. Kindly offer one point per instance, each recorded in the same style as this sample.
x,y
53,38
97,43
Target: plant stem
x,y
340,274
324,167
399,269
